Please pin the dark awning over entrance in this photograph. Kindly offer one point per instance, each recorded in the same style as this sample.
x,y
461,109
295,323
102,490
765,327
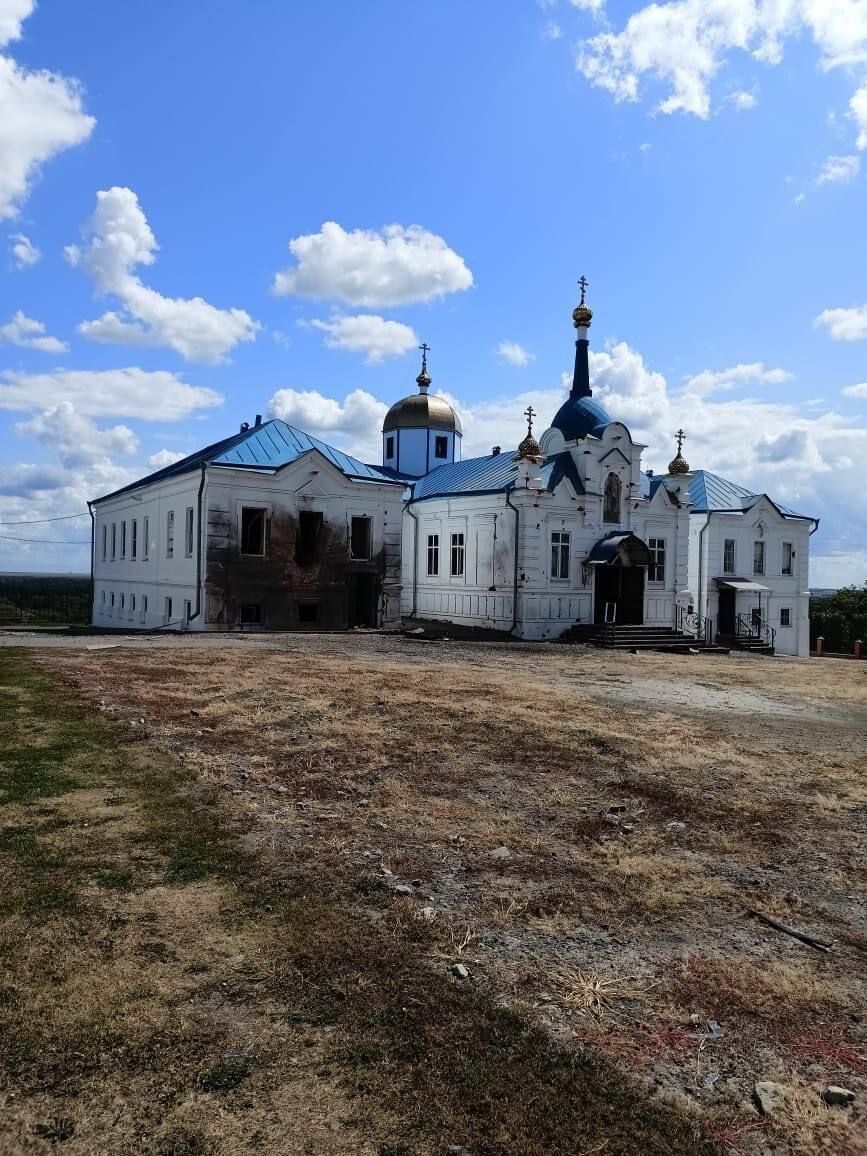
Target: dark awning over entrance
x,y
742,584
619,549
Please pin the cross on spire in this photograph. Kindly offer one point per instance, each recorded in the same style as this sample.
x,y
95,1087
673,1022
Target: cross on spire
x,y
583,285
425,349
680,435
529,414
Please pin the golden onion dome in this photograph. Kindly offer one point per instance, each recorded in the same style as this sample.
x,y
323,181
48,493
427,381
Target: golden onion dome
x,y
582,315
529,448
420,411
679,464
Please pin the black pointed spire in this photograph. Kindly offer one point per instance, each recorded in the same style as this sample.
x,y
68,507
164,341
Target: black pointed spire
x,y
582,315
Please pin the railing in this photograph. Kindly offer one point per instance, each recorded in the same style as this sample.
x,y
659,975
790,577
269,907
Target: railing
x,y
689,622
756,629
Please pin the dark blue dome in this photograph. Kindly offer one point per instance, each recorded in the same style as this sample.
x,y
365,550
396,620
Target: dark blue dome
x,y
579,416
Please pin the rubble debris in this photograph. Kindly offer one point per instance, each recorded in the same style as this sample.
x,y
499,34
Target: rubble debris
x,y
460,970
769,1097
838,1097
810,940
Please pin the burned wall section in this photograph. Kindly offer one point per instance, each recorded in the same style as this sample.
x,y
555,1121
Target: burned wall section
x,y
292,586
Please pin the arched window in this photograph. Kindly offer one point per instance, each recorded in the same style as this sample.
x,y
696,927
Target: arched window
x,y
611,507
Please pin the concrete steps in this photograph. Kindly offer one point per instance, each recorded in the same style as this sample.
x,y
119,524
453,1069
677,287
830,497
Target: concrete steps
x,y
664,638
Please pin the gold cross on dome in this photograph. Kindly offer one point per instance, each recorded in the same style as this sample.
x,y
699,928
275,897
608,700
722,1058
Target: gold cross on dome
x,y
529,414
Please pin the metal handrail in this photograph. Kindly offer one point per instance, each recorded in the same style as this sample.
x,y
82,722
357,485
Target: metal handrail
x,y
695,624
748,627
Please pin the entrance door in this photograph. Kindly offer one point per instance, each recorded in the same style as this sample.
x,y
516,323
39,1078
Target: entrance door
x,y
362,592
726,615
624,586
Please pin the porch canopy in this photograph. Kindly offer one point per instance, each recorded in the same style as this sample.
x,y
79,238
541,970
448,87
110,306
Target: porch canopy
x,y
619,549
743,585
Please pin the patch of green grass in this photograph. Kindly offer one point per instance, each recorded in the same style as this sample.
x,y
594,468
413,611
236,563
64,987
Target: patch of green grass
x,y
41,900
115,880
29,773
224,1076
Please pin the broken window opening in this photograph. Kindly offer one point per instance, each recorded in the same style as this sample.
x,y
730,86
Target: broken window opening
x,y
360,539
251,612
307,538
441,447
253,530
389,447
308,612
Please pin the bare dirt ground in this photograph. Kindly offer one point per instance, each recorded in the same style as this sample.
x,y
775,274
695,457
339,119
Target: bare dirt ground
x,y
589,834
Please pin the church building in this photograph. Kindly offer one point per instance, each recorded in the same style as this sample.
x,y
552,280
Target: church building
x,y
274,529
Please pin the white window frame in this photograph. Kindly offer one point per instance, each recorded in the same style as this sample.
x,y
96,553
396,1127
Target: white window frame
x,y
133,540
362,557
145,534
266,510
658,548
105,541
760,548
113,541
144,609
787,610
561,547
733,569
170,533
787,573
433,555
189,531
123,538
458,554
168,606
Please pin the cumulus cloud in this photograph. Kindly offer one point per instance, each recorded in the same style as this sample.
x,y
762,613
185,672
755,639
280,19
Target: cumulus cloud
x,y
844,324
682,44
369,334
163,458
153,396
399,265
514,354
859,390
30,334
839,170
24,252
76,439
858,112
355,423
117,239
42,115
743,100
22,479
756,373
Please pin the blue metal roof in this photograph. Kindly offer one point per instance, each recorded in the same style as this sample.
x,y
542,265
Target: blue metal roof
x,y
649,484
267,447
710,492
489,475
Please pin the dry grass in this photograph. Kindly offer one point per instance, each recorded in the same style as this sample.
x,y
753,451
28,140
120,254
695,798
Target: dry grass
x,y
637,838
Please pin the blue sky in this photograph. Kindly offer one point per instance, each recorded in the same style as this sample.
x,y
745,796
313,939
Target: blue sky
x,y
701,163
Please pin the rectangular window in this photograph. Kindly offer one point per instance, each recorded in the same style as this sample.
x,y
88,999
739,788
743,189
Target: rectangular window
x,y
132,603
308,612
122,601
189,525
104,541
112,599
785,616
170,534
144,607
433,554
457,555
656,569
788,555
758,557
360,539
145,535
251,612
253,530
560,540
123,538
307,539
133,539
389,447
188,610
168,613
441,447
729,556
113,541
103,598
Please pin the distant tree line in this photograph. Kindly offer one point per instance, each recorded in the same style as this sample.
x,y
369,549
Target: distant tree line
x,y
840,618
44,599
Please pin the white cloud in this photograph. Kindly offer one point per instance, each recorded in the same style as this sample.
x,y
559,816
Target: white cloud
x,y
838,568
858,112
514,354
30,334
355,423
163,458
21,479
756,373
41,115
117,239
859,390
131,392
396,266
801,197
552,31
588,5
684,43
839,170
369,334
77,440
24,252
844,324
743,100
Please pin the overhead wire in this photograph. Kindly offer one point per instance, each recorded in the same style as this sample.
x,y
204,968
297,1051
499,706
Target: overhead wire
x,y
39,521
